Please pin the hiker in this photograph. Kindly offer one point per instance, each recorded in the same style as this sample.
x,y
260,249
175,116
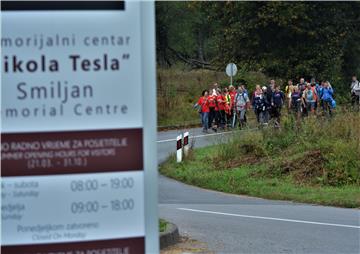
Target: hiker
x,y
247,93
277,101
221,102
302,86
309,98
245,90
241,103
355,91
327,97
227,107
258,103
212,106
268,97
271,85
217,113
315,87
288,89
232,93
204,110
267,94
295,102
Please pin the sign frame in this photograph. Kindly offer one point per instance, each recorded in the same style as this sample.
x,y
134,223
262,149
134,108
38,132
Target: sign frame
x,y
148,86
149,128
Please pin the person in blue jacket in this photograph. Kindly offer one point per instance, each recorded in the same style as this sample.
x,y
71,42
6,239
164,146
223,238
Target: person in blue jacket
x,y
327,97
328,92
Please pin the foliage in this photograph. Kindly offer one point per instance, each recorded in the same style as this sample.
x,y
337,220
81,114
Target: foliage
x,y
281,39
162,225
178,91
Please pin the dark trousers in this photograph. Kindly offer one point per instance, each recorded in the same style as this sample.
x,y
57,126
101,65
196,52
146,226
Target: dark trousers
x,y
217,118
277,113
354,99
222,118
212,115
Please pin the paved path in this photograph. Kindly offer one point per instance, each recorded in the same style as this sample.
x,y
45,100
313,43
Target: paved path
x,y
239,224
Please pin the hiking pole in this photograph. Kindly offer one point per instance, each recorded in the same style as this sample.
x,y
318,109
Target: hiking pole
x,y
234,119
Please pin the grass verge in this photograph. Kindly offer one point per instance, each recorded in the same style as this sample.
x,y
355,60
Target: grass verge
x,y
162,225
317,162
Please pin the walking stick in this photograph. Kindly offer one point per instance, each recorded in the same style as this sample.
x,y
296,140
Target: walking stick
x,y
234,118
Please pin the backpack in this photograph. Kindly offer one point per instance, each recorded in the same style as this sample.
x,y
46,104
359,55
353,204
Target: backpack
x,y
333,103
287,89
295,100
313,89
258,102
242,95
308,95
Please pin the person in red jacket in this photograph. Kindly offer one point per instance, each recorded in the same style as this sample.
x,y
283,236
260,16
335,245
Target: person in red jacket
x,y
221,102
212,108
204,110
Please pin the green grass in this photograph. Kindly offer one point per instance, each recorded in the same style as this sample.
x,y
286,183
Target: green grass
x,y
162,225
318,163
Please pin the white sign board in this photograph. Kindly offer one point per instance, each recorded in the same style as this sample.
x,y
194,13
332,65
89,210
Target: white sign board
x,y
78,127
231,69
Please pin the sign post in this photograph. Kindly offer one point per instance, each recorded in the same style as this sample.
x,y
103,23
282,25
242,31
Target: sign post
x,y
231,70
78,150
186,143
179,149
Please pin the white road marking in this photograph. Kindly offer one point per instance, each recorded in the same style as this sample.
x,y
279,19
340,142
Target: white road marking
x,y
166,140
270,218
205,135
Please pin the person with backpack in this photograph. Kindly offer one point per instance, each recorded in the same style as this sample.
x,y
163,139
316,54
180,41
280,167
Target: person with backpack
x,y
267,93
241,103
247,93
327,97
221,102
302,86
309,98
258,103
268,96
217,113
296,103
203,103
355,91
277,101
288,89
227,107
212,109
315,86
232,93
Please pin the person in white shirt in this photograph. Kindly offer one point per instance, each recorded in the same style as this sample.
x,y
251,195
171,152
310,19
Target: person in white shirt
x,y
355,90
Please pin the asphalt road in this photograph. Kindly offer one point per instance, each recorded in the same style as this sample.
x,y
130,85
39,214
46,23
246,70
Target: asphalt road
x,y
240,224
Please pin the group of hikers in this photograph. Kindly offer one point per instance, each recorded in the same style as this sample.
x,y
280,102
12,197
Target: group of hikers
x,y
227,107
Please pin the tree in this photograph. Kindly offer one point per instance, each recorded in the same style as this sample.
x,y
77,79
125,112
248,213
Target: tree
x,y
281,39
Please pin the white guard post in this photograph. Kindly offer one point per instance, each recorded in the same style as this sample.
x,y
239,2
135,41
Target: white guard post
x,y
186,143
178,149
